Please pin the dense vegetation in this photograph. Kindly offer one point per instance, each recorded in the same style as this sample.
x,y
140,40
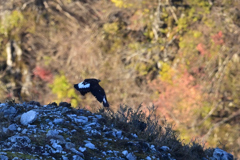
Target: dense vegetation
x,y
180,55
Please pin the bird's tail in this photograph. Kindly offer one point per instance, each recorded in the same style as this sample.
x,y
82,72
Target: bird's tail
x,y
105,104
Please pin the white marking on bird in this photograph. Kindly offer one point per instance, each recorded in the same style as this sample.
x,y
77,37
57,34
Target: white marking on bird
x,y
104,100
81,85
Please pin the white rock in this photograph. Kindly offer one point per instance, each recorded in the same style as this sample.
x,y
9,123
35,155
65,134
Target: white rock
x,y
64,158
116,153
165,148
153,147
73,131
105,144
90,145
98,116
77,157
28,117
2,104
109,151
125,152
95,132
32,126
148,158
52,133
24,131
58,120
91,124
134,135
77,152
119,134
82,149
114,134
131,156
81,119
57,147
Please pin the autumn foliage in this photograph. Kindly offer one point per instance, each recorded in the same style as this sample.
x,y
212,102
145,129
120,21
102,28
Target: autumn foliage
x,y
181,56
43,74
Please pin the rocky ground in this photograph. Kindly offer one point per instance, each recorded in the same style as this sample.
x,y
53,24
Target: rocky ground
x,y
32,131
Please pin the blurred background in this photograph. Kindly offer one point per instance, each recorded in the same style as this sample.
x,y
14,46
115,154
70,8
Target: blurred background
x,y
180,55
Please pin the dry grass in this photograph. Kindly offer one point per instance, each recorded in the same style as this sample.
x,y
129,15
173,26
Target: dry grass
x,y
148,129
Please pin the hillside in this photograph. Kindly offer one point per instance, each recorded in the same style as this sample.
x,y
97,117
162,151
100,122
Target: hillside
x,y
181,56
32,131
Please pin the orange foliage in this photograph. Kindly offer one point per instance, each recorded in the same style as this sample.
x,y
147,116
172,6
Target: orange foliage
x,y
43,74
201,49
218,38
178,100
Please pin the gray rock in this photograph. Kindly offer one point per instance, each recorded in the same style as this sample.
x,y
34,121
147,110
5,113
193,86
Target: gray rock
x,y
52,133
28,117
56,146
105,143
153,147
220,154
148,158
21,139
17,118
82,149
134,135
81,119
131,156
8,112
125,152
98,116
65,109
119,134
2,157
82,133
164,148
4,129
58,120
90,145
24,131
95,132
115,158
64,158
32,126
77,157
12,127
69,145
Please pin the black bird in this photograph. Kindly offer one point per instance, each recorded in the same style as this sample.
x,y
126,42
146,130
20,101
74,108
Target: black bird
x,y
91,85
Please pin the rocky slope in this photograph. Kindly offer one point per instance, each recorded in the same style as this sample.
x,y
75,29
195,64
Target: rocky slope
x,y
32,131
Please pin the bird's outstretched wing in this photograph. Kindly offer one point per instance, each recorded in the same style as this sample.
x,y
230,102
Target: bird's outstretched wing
x,y
82,90
91,85
99,93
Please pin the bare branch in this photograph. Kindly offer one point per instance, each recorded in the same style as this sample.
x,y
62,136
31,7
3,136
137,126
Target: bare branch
x,y
220,123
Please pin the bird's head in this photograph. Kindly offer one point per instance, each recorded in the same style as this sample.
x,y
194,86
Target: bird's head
x,y
91,80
